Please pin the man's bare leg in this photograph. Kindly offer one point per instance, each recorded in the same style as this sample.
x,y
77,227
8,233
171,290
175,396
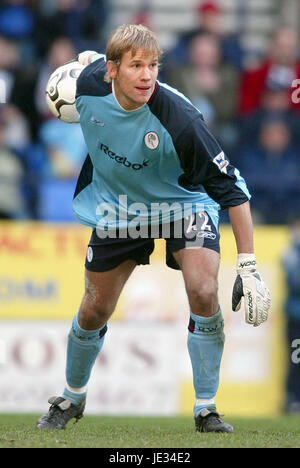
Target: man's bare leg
x,y
200,268
85,340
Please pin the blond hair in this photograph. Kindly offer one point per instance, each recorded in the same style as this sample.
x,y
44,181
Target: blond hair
x,y
131,37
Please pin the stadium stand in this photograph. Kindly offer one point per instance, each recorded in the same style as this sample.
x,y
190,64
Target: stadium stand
x,y
25,64
254,19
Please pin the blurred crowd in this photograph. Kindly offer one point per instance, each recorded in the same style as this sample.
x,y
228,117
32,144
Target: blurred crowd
x,y
250,106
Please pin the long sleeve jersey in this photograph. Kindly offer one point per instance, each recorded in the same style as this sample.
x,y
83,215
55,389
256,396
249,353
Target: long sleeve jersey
x,y
159,162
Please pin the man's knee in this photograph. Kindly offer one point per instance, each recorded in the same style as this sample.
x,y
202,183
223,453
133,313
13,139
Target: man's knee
x,y
203,297
95,309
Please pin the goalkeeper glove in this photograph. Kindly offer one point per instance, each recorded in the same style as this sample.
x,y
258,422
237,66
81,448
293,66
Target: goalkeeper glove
x,y
84,57
248,284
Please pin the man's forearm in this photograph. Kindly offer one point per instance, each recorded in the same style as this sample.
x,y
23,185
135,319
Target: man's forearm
x,y
241,221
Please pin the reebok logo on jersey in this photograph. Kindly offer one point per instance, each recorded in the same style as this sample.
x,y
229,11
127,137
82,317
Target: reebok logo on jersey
x,y
122,159
97,122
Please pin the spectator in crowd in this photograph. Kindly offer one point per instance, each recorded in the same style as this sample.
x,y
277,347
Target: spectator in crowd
x,y
61,50
272,169
63,143
278,70
17,22
17,134
275,102
210,83
65,147
35,38
291,266
82,21
209,16
207,76
9,64
16,139
28,91
11,178
143,14
18,81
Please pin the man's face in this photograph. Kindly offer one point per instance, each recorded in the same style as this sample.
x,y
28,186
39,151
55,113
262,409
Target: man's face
x,y
134,79
210,22
285,47
275,137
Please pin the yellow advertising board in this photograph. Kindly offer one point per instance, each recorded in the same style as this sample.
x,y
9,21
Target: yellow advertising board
x,y
41,269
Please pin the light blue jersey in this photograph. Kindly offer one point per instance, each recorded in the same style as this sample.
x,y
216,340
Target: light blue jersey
x,y
158,163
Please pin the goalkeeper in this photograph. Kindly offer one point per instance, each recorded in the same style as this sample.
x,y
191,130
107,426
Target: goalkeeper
x,y
150,150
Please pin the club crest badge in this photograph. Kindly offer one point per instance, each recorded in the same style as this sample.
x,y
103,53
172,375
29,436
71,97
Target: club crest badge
x,y
151,140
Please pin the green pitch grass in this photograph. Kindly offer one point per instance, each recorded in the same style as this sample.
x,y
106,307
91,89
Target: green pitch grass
x,y
18,431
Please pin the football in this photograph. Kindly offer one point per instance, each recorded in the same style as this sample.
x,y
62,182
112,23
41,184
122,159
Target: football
x,y
61,91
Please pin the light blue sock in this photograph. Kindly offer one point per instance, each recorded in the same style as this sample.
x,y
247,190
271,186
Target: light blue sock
x,y
205,344
82,351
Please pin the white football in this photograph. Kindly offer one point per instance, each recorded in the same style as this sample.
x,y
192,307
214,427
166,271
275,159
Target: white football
x,y
61,91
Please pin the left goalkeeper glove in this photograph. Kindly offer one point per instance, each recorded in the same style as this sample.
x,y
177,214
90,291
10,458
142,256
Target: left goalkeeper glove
x,y
248,284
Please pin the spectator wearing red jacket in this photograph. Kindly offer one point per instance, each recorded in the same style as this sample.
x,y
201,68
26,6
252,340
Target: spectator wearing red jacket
x,y
279,69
